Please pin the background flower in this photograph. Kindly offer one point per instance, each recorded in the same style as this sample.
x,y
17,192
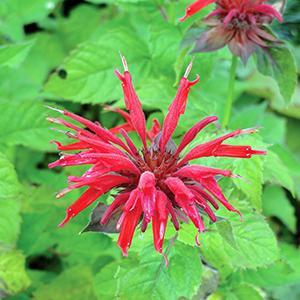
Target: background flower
x,y
240,24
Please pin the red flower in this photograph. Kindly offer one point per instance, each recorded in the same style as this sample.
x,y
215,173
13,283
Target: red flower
x,y
154,183
240,24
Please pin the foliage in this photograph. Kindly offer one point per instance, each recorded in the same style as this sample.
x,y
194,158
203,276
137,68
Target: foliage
x,y
64,53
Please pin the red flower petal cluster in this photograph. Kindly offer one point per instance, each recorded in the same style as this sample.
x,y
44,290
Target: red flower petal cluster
x,y
154,183
240,24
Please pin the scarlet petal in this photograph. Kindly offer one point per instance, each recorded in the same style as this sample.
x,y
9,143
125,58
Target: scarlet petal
x,y
237,151
147,190
185,199
159,220
96,143
102,133
269,10
130,221
130,143
118,201
117,129
203,194
115,162
195,7
192,133
73,146
87,198
208,148
212,186
175,110
198,172
155,129
121,112
134,106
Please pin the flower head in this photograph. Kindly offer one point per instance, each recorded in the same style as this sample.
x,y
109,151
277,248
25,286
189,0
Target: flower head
x,y
154,183
240,24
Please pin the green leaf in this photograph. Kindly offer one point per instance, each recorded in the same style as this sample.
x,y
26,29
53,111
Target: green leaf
x,y
291,161
9,203
148,277
9,185
243,292
40,234
73,284
12,55
273,128
149,49
13,278
251,183
276,203
9,221
280,64
275,172
281,273
89,72
225,230
255,245
83,21
17,13
27,125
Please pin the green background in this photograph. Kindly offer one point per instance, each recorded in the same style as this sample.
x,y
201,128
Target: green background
x,y
63,53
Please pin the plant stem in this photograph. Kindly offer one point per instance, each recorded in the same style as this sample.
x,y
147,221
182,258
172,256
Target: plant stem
x,y
230,95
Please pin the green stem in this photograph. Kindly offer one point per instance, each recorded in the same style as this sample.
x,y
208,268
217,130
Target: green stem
x,y
230,95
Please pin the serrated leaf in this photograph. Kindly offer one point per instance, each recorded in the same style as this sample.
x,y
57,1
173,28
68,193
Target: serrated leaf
x,y
280,64
256,245
9,203
9,185
276,203
283,272
39,231
275,172
251,183
149,278
25,124
225,230
89,69
12,55
243,292
13,278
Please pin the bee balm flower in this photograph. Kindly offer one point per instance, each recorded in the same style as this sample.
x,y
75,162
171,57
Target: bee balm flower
x,y
240,24
155,183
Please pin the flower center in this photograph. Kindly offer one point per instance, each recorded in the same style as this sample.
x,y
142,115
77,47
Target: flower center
x,y
239,22
159,163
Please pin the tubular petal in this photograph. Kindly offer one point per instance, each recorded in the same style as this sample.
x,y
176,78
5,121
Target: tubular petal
x,y
175,110
185,199
87,198
128,226
119,201
197,172
211,185
206,149
192,133
133,105
155,129
147,190
195,7
73,146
